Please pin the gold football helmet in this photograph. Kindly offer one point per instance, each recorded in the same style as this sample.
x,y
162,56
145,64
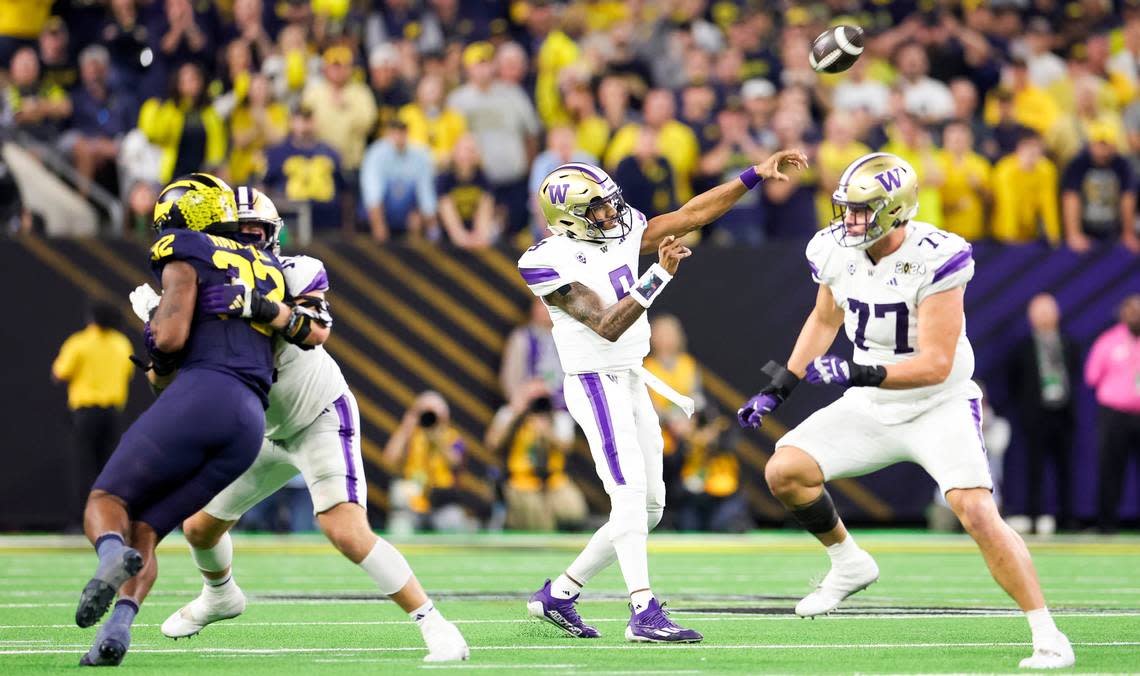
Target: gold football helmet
x,y
254,206
197,201
882,185
571,197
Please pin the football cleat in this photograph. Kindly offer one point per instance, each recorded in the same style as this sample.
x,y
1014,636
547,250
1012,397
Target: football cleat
x,y
111,643
1053,653
653,625
214,604
838,585
444,642
101,589
560,613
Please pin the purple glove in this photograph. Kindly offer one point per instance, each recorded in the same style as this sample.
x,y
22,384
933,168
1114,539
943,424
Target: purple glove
x,y
236,300
839,371
160,361
754,410
222,299
829,369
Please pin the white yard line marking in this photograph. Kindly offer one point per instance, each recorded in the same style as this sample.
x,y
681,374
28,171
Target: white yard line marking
x,y
691,646
702,617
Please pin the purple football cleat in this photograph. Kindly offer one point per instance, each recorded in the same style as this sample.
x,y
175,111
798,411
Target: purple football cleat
x,y
653,625
559,612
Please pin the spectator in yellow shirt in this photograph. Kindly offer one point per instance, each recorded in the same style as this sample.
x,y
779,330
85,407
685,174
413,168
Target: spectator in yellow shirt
x,y
190,132
670,361
838,149
966,190
1025,195
257,123
1071,131
1032,105
430,123
912,142
95,364
592,133
676,142
344,110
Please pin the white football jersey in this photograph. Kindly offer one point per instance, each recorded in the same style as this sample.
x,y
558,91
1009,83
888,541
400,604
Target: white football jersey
x,y
308,381
609,270
881,302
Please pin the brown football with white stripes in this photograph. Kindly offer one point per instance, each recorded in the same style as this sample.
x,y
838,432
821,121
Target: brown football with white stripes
x,y
836,49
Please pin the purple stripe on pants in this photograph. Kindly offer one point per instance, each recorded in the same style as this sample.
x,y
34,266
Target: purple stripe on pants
x,y
597,396
344,413
976,410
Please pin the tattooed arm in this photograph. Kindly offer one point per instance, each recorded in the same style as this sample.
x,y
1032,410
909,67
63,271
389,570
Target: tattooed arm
x,y
610,323
582,304
170,324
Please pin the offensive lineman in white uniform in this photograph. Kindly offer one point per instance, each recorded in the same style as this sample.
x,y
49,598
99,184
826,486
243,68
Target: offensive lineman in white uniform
x,y
897,285
312,426
587,273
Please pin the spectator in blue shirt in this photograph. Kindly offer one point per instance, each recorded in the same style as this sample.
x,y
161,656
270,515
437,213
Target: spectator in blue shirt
x,y
100,115
397,186
561,147
303,169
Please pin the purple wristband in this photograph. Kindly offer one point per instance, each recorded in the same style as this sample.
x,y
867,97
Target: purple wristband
x,y
750,178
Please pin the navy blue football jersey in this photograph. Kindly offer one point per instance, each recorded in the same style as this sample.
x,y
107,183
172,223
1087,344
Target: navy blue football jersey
x,y
217,342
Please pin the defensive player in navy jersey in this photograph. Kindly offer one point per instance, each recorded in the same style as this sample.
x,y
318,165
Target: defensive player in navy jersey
x,y
206,426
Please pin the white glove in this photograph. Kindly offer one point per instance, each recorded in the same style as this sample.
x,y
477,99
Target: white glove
x,y
144,301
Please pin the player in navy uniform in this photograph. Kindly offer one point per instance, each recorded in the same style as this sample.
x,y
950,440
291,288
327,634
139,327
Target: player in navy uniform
x,y
206,427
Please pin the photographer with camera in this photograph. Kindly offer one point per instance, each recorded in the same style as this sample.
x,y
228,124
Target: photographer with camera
x,y
539,494
428,452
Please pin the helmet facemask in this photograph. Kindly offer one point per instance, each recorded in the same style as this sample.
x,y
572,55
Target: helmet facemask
x,y
868,212
599,229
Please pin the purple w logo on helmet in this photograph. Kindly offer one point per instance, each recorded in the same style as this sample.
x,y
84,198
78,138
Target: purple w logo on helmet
x,y
558,193
890,179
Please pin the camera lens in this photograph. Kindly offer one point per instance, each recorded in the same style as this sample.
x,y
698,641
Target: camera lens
x,y
541,405
428,419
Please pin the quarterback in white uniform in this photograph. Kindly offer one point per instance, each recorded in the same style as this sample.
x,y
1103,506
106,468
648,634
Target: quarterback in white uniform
x,y
587,274
312,426
897,286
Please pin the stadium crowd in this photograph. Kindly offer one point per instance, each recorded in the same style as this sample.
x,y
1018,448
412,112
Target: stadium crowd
x,y
439,118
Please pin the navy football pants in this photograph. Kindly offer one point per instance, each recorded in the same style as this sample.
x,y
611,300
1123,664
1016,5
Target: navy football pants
x,y
200,435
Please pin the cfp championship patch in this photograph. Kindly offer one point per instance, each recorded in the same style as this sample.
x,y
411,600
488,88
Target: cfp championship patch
x,y
910,268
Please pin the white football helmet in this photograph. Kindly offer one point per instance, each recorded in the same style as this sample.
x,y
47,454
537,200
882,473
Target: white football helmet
x,y
254,206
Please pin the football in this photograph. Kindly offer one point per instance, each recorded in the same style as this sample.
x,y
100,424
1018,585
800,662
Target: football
x,y
836,49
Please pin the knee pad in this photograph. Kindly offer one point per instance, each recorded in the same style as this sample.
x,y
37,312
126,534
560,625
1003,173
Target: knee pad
x,y
654,514
819,516
628,513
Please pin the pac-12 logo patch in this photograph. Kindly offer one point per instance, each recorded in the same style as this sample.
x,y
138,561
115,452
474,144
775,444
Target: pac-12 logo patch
x,y
581,257
850,267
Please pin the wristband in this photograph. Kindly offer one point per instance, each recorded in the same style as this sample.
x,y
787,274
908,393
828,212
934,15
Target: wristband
x,y
646,290
261,309
783,380
750,178
867,376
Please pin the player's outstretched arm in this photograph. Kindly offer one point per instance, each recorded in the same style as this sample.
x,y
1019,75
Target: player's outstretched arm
x,y
939,325
712,204
581,303
818,332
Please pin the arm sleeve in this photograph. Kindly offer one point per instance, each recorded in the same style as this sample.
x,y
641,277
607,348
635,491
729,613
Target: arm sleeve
x,y
64,365
425,186
540,269
372,178
1094,366
818,255
949,265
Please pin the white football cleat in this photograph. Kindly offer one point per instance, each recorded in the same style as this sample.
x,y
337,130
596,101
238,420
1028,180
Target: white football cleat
x,y
1053,653
210,606
444,642
856,576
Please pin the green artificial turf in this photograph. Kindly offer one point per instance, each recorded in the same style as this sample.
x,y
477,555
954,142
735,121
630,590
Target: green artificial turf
x,y
935,608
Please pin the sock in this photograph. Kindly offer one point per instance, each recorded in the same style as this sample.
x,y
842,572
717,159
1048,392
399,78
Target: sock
x,y
387,567
124,612
564,588
419,615
219,585
598,555
842,552
108,545
1040,623
640,599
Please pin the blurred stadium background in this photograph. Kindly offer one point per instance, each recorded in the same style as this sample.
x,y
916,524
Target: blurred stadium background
x,y
403,139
